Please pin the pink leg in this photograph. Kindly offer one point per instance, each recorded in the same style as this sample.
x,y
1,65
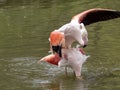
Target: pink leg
x,y
78,72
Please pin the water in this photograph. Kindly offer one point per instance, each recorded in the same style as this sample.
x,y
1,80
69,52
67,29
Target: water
x,y
24,30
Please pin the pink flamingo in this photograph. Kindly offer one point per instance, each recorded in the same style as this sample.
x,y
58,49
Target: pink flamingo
x,y
62,38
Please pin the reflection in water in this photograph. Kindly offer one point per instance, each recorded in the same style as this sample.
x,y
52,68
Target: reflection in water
x,y
25,71
74,85
61,84
64,85
24,30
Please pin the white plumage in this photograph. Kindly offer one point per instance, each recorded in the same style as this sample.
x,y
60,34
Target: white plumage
x,y
74,59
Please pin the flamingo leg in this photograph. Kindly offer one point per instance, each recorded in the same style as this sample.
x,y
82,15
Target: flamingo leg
x,y
78,73
66,73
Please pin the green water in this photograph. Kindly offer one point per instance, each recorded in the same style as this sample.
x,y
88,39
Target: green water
x,y
24,30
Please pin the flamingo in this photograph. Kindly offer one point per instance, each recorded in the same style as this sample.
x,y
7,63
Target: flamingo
x,y
75,30
61,40
73,57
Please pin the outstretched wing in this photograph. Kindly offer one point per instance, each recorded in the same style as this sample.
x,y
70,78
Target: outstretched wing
x,y
95,15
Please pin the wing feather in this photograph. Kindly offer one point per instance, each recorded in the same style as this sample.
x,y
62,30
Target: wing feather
x,y
95,15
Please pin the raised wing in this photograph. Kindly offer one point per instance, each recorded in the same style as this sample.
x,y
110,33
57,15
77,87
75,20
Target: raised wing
x,y
95,15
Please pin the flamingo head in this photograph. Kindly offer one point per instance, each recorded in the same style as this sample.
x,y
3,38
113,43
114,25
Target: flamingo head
x,y
57,41
84,34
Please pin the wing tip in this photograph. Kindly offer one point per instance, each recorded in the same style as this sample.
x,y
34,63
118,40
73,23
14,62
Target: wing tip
x,y
82,17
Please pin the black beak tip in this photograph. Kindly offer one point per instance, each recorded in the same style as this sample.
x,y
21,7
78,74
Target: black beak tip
x,y
57,49
84,46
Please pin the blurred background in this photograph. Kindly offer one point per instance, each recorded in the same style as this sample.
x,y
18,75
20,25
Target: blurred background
x,y
25,26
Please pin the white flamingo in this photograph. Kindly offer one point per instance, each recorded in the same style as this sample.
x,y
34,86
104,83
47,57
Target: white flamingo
x,y
76,31
73,57
62,39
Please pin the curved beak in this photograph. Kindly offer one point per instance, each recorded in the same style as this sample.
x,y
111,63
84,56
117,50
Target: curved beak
x,y
57,49
84,46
